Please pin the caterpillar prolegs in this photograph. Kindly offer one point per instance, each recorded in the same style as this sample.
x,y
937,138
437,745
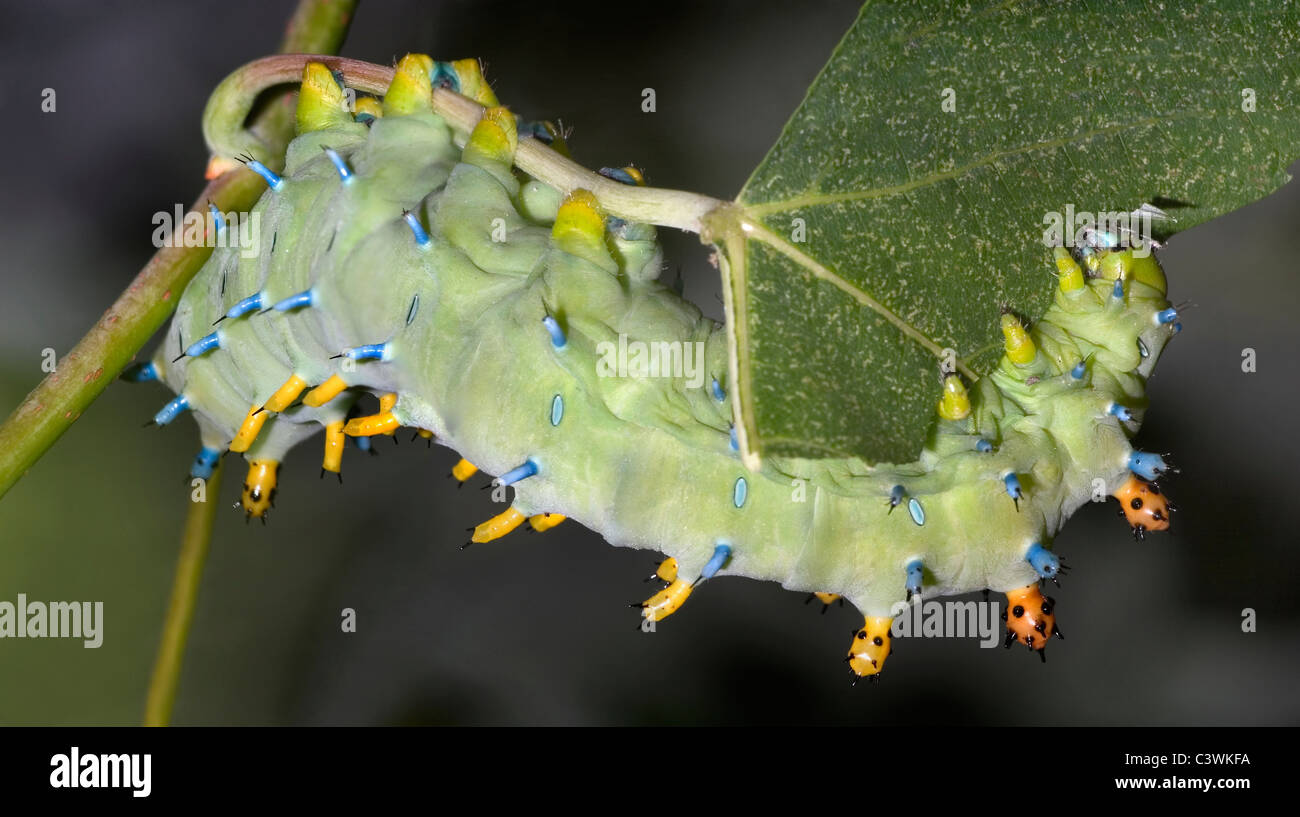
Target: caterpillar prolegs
x,y
492,314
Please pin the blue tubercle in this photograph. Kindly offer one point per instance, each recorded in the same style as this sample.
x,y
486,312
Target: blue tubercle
x,y
1147,465
1167,316
218,220
1079,370
272,178
1042,560
445,76
719,393
140,372
1012,483
1176,328
203,345
1118,292
896,495
721,553
421,236
1121,413
618,174
915,575
735,444
536,130
528,469
172,410
205,463
983,446
370,351
250,304
345,172
558,340
298,300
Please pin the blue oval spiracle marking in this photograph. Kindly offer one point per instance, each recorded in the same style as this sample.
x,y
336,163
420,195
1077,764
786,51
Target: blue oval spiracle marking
x,y
557,410
918,513
740,493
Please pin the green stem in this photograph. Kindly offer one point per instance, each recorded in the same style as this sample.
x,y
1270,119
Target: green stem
x,y
80,376
180,610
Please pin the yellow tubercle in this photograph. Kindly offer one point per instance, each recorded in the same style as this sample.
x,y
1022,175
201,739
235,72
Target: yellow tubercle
x,y
579,227
411,90
321,102
249,429
334,439
384,423
1129,266
1068,271
493,139
258,494
637,175
325,392
368,105
870,646
425,434
286,394
386,403
545,521
498,526
463,470
1020,347
827,598
667,570
472,82
955,403
667,601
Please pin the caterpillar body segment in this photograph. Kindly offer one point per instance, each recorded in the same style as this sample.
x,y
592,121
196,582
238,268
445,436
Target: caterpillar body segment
x,y
527,331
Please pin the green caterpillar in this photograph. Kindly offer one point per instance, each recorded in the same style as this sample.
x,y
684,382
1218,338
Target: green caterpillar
x,y
527,331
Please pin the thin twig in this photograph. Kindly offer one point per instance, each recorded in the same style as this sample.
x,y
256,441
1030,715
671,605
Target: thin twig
x,y
180,610
235,96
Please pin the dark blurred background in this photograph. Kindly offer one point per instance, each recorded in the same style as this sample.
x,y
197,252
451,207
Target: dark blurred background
x,y
535,629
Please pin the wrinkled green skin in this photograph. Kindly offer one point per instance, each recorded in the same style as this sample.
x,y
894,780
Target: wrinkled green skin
x,y
646,462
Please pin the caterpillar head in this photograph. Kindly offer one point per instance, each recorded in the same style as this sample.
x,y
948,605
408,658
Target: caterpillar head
x,y
1031,617
871,646
1143,505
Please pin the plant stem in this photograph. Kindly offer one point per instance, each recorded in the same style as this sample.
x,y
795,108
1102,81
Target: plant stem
x,y
113,341
80,376
235,97
180,610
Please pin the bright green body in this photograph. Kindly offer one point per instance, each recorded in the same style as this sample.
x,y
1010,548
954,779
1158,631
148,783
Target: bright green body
x,y
644,461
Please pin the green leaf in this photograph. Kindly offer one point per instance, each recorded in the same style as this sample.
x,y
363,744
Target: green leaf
x,y
921,223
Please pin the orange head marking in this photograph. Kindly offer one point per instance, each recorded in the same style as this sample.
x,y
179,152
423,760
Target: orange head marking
x,y
1031,617
1143,505
871,646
